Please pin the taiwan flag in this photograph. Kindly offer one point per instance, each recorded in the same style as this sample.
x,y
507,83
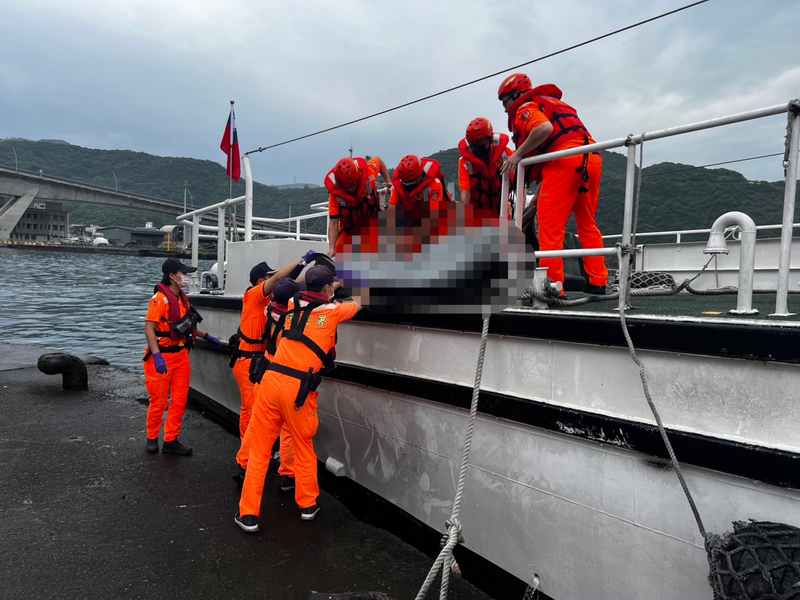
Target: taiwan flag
x,y
230,146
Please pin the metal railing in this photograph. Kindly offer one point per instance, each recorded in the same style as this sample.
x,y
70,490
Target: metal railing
x,y
679,233
192,220
631,142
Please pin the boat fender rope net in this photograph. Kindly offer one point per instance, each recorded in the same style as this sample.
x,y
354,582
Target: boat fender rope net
x,y
454,534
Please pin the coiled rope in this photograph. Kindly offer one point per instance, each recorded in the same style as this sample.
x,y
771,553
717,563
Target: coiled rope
x,y
453,536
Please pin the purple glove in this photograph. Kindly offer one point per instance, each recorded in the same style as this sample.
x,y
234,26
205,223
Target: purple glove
x,y
160,363
213,340
309,256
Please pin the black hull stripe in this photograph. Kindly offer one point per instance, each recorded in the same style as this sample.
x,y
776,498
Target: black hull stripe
x,y
771,466
769,342
776,467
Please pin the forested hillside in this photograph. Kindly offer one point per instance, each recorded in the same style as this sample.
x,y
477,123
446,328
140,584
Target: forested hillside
x,y
674,196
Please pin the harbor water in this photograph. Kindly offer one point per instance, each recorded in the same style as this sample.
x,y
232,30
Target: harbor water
x,y
79,303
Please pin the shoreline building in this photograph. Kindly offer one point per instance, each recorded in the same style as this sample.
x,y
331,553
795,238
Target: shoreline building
x,y
42,222
139,236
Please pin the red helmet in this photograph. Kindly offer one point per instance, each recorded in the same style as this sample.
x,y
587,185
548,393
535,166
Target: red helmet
x,y
410,168
479,129
518,82
346,173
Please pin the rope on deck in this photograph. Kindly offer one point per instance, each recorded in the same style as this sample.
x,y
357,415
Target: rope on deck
x,y
453,536
661,290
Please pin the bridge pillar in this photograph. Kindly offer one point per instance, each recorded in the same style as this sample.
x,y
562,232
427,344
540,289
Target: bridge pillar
x,y
12,212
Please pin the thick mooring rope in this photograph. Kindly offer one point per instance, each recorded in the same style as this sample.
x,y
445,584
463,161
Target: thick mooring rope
x,y
673,459
453,536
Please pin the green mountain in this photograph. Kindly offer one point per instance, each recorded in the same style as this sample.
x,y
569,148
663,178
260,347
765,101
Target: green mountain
x,y
141,173
673,196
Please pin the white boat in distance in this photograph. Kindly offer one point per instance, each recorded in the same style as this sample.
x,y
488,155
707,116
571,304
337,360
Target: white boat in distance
x,y
568,480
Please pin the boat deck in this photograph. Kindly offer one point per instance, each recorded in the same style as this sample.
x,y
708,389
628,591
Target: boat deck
x,y
87,513
705,307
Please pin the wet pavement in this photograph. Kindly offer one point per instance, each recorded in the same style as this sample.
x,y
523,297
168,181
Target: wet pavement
x,y
86,513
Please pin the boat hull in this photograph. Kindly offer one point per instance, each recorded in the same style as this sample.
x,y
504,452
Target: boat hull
x,y
566,479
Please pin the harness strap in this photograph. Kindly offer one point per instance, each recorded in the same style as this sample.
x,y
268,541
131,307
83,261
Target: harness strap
x,y
253,341
164,350
297,331
277,328
309,381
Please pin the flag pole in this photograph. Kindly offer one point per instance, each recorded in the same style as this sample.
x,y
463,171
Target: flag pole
x,y
230,156
230,169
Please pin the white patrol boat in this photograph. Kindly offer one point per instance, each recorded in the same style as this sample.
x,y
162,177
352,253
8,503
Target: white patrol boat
x,y
569,483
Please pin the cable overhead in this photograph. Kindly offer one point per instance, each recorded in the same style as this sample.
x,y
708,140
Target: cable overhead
x,y
484,78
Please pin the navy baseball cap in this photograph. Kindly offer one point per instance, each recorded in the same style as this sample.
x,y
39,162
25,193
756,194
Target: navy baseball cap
x,y
173,265
262,269
318,277
284,290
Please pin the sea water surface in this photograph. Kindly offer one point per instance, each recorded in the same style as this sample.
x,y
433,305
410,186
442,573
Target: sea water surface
x,y
79,303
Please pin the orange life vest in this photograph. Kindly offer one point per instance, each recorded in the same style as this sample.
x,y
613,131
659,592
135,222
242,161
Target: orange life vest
x,y
358,208
421,193
566,124
485,181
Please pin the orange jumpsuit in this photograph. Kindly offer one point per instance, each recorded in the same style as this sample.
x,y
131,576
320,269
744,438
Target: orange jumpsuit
x,y
275,405
286,443
334,210
558,197
174,383
252,324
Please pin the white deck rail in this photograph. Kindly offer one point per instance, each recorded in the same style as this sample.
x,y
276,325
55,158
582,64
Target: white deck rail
x,y
631,141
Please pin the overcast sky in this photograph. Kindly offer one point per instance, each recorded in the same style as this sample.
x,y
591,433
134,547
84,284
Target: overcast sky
x,y
157,75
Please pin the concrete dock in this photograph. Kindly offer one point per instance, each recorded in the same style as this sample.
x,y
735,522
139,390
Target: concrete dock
x,y
86,513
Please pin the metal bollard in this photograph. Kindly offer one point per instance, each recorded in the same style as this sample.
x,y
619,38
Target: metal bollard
x,y
75,377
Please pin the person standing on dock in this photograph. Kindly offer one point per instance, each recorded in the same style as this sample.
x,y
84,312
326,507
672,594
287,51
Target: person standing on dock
x,y
287,394
483,153
540,123
170,329
353,196
417,180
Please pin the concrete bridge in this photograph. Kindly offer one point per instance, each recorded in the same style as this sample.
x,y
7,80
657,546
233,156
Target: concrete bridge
x,y
25,187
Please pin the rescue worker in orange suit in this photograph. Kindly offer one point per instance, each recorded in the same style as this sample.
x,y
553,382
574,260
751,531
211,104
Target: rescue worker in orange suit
x,y
353,196
541,123
417,180
170,329
483,153
287,395
283,292
253,332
